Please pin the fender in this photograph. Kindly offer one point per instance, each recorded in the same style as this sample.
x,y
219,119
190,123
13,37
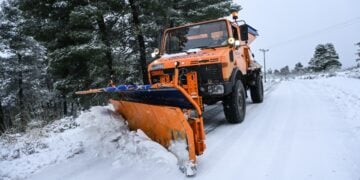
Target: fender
x,y
235,75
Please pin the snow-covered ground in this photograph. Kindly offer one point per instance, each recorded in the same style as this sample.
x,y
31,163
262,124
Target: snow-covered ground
x,y
68,148
306,128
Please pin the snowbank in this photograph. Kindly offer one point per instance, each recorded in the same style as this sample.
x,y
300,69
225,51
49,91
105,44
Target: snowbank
x,y
351,72
99,133
345,93
347,73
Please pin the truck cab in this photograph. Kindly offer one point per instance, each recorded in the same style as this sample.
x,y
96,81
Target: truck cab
x,y
219,52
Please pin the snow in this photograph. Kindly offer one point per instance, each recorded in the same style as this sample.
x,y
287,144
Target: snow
x,y
60,4
5,54
179,149
174,55
352,73
195,50
98,135
306,128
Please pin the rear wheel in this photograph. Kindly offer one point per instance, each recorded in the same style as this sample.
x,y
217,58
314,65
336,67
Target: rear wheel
x,y
257,91
235,104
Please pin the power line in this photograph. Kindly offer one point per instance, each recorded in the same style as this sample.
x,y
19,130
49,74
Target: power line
x,y
329,28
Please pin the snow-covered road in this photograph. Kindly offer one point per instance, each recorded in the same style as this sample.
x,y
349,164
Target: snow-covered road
x,y
304,129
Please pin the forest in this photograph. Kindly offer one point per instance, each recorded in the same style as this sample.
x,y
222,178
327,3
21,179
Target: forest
x,y
53,48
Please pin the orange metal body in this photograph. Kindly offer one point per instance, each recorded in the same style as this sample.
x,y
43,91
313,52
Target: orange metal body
x,y
217,55
161,123
165,124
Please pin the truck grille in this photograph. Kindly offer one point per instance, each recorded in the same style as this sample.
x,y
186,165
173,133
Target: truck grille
x,y
207,74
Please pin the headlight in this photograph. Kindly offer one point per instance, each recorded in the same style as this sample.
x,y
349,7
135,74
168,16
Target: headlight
x,y
216,89
157,66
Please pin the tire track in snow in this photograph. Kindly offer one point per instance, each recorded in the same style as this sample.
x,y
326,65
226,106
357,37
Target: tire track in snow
x,y
227,131
259,143
284,137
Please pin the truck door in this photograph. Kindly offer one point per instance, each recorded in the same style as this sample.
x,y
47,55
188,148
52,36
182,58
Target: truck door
x,y
239,57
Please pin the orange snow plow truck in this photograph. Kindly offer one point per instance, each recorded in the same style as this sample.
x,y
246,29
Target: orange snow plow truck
x,y
197,64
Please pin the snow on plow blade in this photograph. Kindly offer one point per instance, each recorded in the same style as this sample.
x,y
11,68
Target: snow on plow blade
x,y
168,115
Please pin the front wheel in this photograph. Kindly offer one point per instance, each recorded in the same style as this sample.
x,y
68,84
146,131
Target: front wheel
x,y
235,104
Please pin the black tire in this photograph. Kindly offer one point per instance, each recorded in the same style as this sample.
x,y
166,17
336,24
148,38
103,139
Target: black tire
x,y
235,104
257,91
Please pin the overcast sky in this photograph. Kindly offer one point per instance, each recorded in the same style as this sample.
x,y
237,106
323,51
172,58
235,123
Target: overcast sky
x,y
291,29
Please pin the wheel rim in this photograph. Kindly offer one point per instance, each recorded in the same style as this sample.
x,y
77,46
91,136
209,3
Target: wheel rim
x,y
240,100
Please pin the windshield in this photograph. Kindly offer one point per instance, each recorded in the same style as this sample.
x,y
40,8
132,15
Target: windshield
x,y
198,36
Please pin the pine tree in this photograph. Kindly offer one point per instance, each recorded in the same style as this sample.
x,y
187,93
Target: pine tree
x,y
23,68
316,63
325,58
80,39
195,11
285,71
135,11
155,16
299,68
276,72
331,58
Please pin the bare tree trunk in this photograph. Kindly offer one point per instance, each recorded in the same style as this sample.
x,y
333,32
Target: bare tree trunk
x,y
2,120
134,4
23,122
64,105
105,38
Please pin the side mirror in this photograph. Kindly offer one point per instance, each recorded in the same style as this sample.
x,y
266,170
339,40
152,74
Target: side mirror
x,y
155,53
244,30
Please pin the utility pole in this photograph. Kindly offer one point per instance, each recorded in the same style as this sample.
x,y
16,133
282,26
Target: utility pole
x,y
264,53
